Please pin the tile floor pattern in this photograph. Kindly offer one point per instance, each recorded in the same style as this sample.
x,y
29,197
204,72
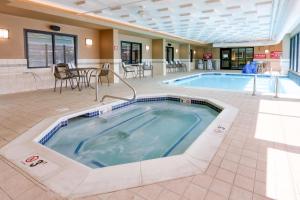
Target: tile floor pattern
x,y
247,166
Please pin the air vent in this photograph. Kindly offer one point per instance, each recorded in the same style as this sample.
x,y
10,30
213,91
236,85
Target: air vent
x,y
233,7
186,5
78,3
208,11
162,9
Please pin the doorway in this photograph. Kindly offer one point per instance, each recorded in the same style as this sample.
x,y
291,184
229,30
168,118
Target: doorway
x,y
169,54
236,58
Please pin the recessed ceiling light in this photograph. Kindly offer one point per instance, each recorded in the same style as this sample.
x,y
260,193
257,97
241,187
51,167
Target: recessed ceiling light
x,y
186,5
185,14
264,16
226,15
233,7
208,11
212,1
250,12
124,16
204,18
115,8
81,2
162,9
263,3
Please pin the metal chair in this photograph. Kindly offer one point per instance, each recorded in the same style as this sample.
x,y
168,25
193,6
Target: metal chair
x,y
147,67
128,69
104,72
62,73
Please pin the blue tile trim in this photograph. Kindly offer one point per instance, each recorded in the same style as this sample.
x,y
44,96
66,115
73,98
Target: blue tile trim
x,y
53,131
91,114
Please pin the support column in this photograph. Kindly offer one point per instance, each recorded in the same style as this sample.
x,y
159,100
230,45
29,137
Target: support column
x,y
109,51
285,59
184,55
159,57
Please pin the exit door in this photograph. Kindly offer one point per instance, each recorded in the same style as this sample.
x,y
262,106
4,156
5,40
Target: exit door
x,y
225,58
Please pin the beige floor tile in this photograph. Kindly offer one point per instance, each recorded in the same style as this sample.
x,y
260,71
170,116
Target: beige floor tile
x,y
4,196
168,195
225,175
16,185
240,194
260,176
244,182
248,162
213,196
260,188
178,185
220,187
202,180
150,192
229,165
194,192
246,171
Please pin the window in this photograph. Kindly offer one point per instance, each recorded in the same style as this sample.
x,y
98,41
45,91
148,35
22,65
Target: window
x,y
45,48
131,53
295,53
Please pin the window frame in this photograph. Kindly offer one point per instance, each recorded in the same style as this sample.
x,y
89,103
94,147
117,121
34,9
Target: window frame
x,y
26,31
130,52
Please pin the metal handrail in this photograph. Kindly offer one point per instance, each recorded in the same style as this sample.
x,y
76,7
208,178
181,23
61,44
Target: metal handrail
x,y
276,86
254,86
110,96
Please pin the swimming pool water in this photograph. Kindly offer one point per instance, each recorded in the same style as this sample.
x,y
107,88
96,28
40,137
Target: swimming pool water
x,y
238,82
141,131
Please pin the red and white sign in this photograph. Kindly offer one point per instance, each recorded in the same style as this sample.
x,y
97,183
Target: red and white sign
x,y
33,161
275,54
260,56
207,56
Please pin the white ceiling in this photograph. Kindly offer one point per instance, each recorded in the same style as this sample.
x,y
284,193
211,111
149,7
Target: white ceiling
x,y
211,21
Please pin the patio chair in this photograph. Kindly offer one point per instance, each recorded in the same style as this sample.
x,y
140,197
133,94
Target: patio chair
x,y
80,76
128,69
209,65
147,67
62,73
183,66
104,72
200,64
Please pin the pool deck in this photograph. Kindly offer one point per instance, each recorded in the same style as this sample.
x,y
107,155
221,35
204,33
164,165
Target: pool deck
x,y
258,159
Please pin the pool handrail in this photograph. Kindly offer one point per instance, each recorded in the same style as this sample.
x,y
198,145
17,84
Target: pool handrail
x,y
110,96
254,85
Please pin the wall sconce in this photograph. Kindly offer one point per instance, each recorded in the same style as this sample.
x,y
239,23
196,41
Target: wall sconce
x,y
176,50
267,51
195,52
147,47
88,42
3,33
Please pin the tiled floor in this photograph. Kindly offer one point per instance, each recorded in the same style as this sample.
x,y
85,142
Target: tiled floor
x,y
259,158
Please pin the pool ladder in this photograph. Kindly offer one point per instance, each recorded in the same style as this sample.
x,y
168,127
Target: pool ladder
x,y
110,96
276,86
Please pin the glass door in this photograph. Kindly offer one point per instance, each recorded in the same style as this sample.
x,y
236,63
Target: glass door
x,y
169,54
136,53
241,58
249,54
225,58
234,58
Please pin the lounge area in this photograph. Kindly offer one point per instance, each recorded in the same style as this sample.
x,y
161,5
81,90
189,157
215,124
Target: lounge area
x,y
149,100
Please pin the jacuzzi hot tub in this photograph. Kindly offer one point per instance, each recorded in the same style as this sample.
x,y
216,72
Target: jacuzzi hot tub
x,y
123,144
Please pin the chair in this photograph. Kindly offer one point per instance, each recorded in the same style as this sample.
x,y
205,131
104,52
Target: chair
x,y
62,73
76,74
200,64
104,72
147,67
128,69
209,65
